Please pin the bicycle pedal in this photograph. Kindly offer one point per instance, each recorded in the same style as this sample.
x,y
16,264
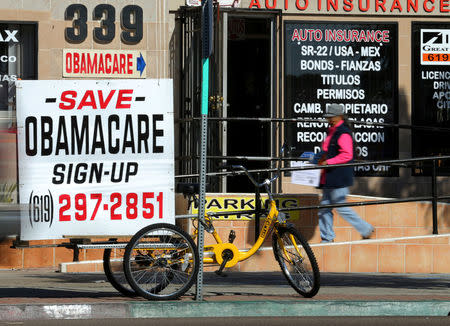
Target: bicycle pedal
x,y
232,236
220,273
227,255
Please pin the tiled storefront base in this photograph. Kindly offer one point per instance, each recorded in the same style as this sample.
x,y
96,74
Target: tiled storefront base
x,y
41,257
418,255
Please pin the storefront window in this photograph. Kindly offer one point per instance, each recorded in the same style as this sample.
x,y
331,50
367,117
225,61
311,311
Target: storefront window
x,y
18,60
354,64
431,92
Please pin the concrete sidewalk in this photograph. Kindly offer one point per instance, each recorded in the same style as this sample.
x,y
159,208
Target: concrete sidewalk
x,y
45,294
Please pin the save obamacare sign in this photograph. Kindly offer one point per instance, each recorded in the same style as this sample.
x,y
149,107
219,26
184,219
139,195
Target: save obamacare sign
x,y
95,157
356,6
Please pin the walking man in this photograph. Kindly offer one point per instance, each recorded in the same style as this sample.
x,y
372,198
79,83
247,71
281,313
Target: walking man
x,y
338,149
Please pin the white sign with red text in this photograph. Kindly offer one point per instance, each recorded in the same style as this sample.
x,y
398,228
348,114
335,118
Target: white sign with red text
x,y
104,63
96,158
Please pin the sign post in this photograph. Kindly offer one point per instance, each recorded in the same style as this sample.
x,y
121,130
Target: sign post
x,y
207,20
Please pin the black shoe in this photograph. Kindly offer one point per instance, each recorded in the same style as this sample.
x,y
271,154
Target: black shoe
x,y
368,235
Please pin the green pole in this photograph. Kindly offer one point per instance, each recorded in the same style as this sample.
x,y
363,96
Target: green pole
x,y
205,86
207,45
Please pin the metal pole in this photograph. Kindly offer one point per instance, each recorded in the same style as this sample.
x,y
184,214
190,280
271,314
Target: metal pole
x,y
434,195
224,92
207,23
257,210
201,208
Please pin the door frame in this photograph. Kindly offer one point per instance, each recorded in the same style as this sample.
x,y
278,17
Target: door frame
x,y
275,84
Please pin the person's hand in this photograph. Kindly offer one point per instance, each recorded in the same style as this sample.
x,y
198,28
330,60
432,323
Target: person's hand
x,y
322,158
323,162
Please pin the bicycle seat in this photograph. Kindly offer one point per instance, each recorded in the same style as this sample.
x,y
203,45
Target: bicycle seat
x,y
188,189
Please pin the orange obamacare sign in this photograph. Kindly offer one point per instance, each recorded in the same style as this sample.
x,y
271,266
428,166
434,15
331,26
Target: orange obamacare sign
x,y
239,202
103,63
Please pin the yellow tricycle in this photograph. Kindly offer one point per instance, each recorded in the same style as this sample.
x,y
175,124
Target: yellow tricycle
x,y
161,261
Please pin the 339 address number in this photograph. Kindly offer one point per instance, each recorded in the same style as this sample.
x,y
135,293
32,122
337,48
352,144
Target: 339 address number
x,y
130,22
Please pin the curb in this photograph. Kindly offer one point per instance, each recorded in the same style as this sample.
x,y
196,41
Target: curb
x,y
84,266
172,309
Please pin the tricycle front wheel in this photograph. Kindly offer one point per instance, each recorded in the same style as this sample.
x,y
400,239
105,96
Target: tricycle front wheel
x,y
297,261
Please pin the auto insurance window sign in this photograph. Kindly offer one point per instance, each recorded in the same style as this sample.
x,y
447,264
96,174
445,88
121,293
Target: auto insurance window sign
x,y
96,158
353,64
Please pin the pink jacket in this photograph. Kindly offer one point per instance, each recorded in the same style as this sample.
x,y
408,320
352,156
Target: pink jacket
x,y
345,155
345,143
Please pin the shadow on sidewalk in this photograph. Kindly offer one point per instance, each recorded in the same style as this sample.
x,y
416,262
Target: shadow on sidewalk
x,y
393,281
48,285
53,293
